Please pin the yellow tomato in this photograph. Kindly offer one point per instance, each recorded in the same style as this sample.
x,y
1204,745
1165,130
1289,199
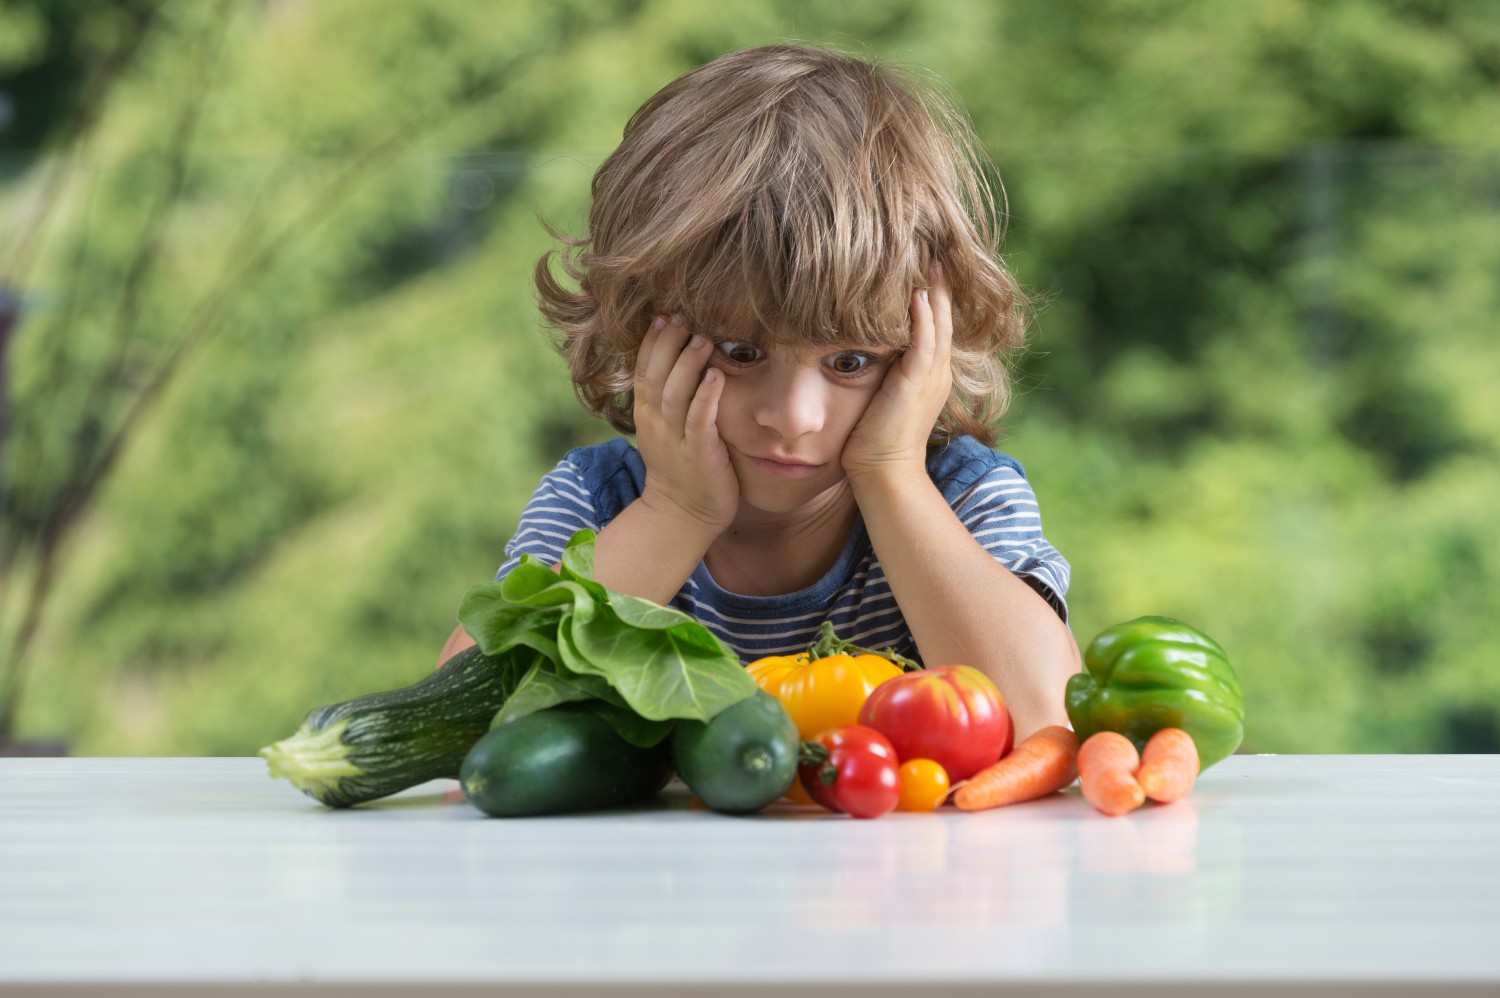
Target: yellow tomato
x,y
924,785
768,672
822,693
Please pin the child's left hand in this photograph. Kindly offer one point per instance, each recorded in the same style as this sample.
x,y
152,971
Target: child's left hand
x,y
891,437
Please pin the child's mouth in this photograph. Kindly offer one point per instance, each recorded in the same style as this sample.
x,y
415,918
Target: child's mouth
x,y
784,469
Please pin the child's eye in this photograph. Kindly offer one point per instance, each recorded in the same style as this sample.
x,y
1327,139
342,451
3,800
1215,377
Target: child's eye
x,y
739,353
850,363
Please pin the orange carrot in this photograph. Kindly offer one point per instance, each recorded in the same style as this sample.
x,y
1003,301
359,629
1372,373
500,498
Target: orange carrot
x,y
1169,765
1107,762
1044,763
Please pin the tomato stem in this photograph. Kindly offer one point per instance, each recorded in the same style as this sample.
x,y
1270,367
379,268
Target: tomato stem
x,y
812,754
829,643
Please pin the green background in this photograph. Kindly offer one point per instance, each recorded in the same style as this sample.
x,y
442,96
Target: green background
x,y
279,389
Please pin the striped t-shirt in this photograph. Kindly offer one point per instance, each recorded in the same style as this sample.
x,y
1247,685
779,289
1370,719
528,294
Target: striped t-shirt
x,y
987,490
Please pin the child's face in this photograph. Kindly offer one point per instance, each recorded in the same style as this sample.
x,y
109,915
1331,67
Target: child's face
x,y
785,414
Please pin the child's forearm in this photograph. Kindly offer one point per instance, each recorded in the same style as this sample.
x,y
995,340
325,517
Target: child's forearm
x,y
962,606
648,553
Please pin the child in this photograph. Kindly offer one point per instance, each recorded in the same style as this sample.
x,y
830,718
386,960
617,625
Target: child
x,y
789,293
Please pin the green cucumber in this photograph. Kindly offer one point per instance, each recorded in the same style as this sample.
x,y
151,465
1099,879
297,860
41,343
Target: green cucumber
x,y
357,750
564,758
744,758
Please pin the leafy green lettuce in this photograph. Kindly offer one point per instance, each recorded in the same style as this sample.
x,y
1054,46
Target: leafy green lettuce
x,y
640,665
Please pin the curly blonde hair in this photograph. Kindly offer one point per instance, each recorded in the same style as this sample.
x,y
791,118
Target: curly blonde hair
x,y
788,194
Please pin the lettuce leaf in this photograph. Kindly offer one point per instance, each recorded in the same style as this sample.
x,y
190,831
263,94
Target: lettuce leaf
x,y
641,666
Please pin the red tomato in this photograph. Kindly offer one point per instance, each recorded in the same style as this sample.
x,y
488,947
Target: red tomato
x,y
858,774
952,715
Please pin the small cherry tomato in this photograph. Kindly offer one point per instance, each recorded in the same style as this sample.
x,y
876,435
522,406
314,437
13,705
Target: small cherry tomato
x,y
924,785
851,769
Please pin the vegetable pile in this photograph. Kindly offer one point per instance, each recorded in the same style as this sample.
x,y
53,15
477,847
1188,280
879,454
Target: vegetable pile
x,y
580,698
881,733
614,676
904,757
1157,703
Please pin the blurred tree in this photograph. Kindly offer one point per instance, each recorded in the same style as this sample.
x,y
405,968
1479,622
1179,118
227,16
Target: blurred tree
x,y
290,339
1239,232
45,44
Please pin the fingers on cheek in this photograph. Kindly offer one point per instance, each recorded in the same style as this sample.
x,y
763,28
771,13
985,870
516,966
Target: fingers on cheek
x,y
921,319
685,380
704,411
649,341
711,386
929,304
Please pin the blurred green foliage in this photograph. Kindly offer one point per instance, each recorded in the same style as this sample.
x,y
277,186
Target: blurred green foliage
x,y
1259,397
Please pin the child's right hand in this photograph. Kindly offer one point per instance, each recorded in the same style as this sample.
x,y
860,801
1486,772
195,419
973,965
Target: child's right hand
x,y
688,473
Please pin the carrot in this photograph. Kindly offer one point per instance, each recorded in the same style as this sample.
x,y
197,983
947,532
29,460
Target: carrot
x,y
1169,765
1044,763
1107,762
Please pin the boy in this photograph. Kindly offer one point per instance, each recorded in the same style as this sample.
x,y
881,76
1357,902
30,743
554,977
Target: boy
x,y
789,293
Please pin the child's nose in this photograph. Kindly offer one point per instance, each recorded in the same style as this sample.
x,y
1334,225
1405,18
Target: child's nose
x,y
795,404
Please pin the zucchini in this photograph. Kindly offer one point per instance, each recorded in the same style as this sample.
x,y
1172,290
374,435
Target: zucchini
x,y
371,746
744,758
564,758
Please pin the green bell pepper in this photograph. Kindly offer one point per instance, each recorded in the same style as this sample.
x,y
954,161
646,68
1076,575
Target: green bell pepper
x,y
1155,672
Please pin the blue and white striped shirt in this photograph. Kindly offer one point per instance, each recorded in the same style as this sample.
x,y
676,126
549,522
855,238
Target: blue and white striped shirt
x,y
987,490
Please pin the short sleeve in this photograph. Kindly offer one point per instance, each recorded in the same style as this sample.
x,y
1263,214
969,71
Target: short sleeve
x,y
560,506
1000,511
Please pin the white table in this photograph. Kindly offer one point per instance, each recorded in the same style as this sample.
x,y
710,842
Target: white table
x,y
1331,872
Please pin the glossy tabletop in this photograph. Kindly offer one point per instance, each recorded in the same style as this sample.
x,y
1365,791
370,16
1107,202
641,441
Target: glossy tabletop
x,y
1331,872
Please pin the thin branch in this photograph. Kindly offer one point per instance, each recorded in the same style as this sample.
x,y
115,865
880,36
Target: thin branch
x,y
75,497
111,70
77,485
147,250
267,253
